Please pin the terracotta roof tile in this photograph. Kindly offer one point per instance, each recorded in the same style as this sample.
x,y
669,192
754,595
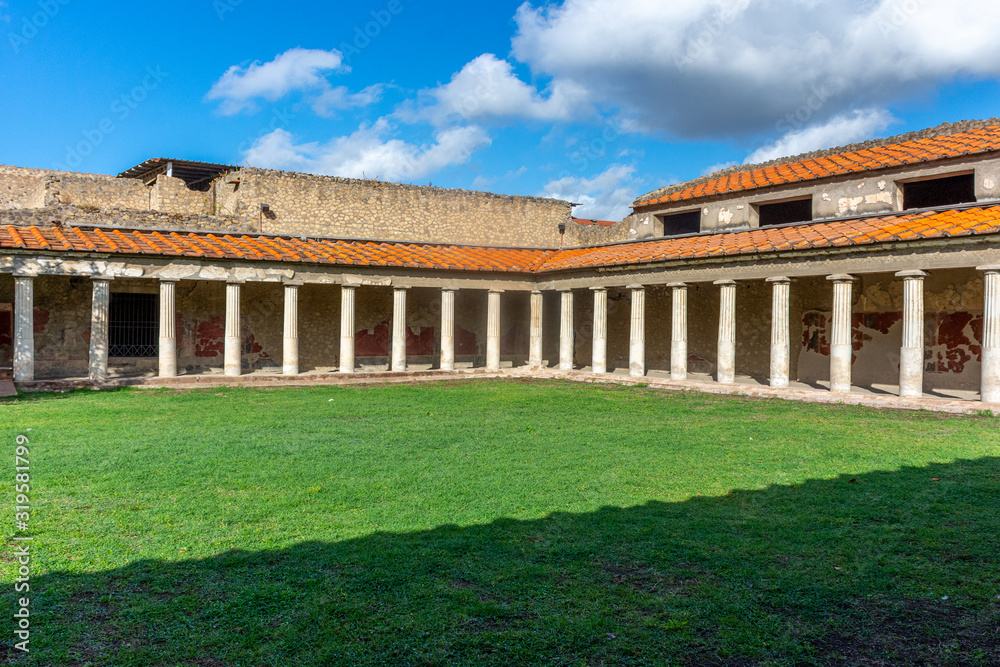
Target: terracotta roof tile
x,y
864,159
857,232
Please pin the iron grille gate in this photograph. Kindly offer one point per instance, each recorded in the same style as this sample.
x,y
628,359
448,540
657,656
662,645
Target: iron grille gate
x,y
134,325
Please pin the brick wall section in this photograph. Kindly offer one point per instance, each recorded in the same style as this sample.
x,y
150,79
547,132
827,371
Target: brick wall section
x,y
302,204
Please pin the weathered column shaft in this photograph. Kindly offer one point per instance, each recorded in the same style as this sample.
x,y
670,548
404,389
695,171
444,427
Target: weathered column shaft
x,y
234,341
99,329
535,333
290,351
24,329
911,355
493,331
599,363
566,333
727,332
841,347
991,338
399,329
448,330
679,333
637,338
168,329
347,296
780,334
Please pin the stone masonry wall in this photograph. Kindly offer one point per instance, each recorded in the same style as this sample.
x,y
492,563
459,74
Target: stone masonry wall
x,y
171,195
302,204
73,215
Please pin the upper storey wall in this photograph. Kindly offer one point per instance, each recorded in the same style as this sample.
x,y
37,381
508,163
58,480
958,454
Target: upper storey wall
x,y
301,204
877,191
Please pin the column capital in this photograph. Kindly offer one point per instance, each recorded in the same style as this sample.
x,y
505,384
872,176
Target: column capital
x,y
564,290
102,278
995,268
449,289
677,285
24,276
841,278
496,291
635,288
537,291
235,282
599,289
913,274
781,280
292,283
168,280
401,288
724,282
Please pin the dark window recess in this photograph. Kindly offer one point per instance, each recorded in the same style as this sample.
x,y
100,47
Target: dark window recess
x,y
800,210
134,325
682,223
940,192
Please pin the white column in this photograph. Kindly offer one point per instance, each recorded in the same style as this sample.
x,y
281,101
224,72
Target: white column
x,y
599,362
566,333
168,329
911,356
637,338
679,333
290,349
780,334
24,328
535,334
841,347
727,332
347,294
493,331
447,329
399,329
99,329
234,342
991,337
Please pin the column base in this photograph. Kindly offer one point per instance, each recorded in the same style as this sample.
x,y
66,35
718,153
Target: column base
x,y
841,357
234,360
911,372
990,392
168,358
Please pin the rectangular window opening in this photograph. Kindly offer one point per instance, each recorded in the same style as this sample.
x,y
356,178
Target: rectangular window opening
x,y
946,191
677,224
134,325
783,213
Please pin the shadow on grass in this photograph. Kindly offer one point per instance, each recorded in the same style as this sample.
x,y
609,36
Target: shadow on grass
x,y
883,568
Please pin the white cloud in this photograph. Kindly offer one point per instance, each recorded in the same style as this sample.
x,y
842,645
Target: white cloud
x,y
838,131
368,152
297,69
607,196
335,99
487,87
725,68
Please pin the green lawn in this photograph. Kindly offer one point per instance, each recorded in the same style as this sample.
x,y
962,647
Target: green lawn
x,y
501,523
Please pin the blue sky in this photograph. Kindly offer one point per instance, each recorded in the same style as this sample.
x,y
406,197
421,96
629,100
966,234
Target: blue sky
x,y
595,101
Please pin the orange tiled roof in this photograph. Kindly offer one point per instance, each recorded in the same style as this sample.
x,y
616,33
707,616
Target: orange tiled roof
x,y
969,142
224,245
835,234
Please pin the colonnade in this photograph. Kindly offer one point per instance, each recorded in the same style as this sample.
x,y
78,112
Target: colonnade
x,y
911,353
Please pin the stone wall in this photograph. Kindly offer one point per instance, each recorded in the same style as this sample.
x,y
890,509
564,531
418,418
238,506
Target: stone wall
x,y
172,195
20,188
580,234
302,204
73,215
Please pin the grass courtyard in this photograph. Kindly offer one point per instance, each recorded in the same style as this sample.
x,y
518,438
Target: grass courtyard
x,y
501,523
